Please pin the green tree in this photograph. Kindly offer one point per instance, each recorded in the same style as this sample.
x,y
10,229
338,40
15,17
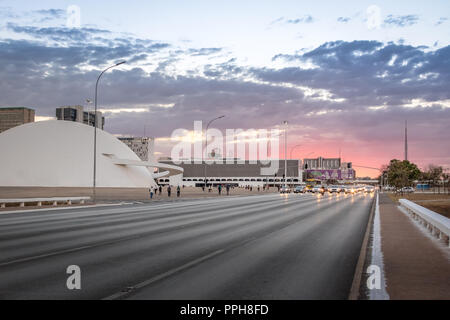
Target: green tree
x,y
445,178
402,173
434,174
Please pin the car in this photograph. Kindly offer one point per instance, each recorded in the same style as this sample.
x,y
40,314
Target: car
x,y
369,189
350,189
285,190
334,189
407,189
300,189
318,189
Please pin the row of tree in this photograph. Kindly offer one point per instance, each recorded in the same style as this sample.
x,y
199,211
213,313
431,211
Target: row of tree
x,y
401,174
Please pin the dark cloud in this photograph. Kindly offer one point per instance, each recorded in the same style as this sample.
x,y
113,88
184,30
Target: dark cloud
x,y
441,21
401,21
56,13
304,19
37,16
57,33
357,75
282,20
49,14
204,51
370,72
343,19
30,56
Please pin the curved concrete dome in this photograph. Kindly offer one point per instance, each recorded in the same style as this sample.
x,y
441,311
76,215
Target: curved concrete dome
x,y
60,154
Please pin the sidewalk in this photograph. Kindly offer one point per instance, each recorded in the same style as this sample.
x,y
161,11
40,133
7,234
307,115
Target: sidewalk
x,y
415,267
121,194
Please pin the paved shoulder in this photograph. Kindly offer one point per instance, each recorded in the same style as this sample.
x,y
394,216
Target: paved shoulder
x,y
415,267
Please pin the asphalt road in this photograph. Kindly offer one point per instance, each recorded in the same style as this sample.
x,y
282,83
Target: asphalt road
x,y
256,247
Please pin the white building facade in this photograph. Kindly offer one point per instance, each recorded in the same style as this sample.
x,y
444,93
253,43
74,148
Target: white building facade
x,y
60,154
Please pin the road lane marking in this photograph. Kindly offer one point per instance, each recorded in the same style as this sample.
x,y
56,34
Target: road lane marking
x,y
131,289
377,256
105,243
132,237
161,276
356,284
61,208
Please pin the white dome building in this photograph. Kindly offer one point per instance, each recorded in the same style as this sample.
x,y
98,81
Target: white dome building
x,y
60,154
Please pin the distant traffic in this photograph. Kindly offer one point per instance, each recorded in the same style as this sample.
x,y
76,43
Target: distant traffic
x,y
322,189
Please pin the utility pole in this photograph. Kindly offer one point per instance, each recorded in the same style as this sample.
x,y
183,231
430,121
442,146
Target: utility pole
x,y
285,152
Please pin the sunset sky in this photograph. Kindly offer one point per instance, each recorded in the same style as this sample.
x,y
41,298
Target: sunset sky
x,y
345,74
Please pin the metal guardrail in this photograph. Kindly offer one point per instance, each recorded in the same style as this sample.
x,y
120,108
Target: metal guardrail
x,y
437,224
39,201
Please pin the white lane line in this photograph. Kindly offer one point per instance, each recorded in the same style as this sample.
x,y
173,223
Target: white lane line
x,y
162,276
129,290
134,210
90,246
55,253
61,208
377,257
299,200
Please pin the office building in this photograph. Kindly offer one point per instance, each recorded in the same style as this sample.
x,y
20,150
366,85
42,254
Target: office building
x,y
328,169
11,117
235,172
322,163
77,114
143,147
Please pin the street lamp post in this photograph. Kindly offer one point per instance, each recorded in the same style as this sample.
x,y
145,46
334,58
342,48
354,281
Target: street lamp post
x,y
206,146
95,129
290,157
285,152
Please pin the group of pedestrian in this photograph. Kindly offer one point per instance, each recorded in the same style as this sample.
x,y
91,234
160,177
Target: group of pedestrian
x,y
155,190
227,188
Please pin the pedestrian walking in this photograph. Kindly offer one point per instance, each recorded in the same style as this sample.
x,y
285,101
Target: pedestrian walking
x,y
169,190
151,192
228,189
220,188
160,190
178,191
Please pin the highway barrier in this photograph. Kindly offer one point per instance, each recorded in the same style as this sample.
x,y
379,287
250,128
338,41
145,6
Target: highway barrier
x,y
38,201
437,224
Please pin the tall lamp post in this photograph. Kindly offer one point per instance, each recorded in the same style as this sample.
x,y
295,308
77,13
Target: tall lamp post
x,y
290,157
285,152
206,146
95,128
